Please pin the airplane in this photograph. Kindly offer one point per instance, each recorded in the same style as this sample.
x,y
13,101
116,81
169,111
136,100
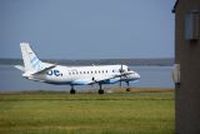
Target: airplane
x,y
36,70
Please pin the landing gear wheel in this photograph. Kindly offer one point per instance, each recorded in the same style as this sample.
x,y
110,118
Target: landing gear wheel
x,y
101,91
128,89
72,91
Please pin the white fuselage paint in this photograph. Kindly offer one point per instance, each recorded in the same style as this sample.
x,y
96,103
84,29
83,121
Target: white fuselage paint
x,y
83,75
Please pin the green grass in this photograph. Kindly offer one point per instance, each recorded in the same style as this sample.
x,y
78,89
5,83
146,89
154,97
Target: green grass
x,y
61,113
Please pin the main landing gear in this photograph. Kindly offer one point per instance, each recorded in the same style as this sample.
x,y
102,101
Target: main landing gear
x,y
101,91
72,91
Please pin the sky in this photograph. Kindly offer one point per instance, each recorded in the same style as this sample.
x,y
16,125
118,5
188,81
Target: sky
x,y
88,29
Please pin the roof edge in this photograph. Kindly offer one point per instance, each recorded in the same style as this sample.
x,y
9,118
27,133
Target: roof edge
x,y
175,5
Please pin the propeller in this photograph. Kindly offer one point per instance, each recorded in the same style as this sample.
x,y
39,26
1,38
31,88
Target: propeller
x,y
121,70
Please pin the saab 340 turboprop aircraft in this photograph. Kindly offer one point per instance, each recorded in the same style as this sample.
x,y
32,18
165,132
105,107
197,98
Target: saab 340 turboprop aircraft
x,y
35,69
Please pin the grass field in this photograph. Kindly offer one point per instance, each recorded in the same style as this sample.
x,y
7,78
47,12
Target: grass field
x,y
60,113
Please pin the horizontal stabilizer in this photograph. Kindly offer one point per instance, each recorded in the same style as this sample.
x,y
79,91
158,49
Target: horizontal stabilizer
x,y
20,67
46,69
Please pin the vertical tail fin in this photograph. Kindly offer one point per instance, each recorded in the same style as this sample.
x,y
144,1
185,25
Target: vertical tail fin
x,y
31,61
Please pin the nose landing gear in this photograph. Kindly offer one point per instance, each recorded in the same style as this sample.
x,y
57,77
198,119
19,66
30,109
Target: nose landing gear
x,y
128,87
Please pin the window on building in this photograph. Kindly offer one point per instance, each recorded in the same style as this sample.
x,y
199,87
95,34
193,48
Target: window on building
x,y
192,26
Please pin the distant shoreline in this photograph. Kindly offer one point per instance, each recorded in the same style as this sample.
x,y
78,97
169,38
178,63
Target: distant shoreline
x,y
76,62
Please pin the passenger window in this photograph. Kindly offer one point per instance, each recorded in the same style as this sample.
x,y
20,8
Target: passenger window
x,y
113,71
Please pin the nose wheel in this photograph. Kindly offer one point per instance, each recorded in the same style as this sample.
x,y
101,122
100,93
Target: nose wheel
x,y
128,87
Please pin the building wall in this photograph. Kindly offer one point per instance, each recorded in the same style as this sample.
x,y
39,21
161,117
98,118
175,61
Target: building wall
x,y
187,54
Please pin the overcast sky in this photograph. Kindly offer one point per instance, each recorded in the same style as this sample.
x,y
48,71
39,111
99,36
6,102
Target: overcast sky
x,y
88,29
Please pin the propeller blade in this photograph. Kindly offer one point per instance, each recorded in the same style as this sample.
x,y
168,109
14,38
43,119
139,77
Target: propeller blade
x,y
121,70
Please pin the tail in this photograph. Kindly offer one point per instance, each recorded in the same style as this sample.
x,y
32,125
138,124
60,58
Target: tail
x,y
30,59
32,64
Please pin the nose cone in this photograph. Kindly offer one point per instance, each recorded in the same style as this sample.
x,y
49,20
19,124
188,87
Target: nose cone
x,y
134,76
137,76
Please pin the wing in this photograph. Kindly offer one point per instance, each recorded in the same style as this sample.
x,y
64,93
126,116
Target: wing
x,y
90,81
82,82
102,79
113,78
106,79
